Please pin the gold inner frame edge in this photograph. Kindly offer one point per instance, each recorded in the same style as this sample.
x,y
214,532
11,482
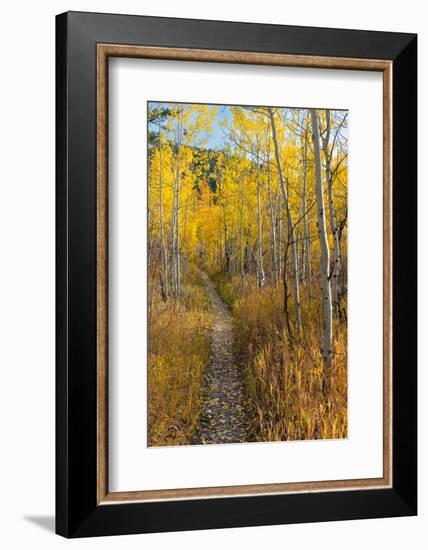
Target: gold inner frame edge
x,y
104,51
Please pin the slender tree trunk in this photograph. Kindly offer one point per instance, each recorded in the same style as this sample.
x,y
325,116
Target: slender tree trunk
x,y
291,229
176,237
226,248
220,243
308,256
225,227
285,283
303,206
326,349
306,248
175,253
221,227
277,210
260,270
279,218
241,232
247,257
272,213
273,261
302,255
335,270
295,262
164,256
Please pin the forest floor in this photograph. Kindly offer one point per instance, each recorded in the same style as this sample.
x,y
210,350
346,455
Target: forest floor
x,y
223,416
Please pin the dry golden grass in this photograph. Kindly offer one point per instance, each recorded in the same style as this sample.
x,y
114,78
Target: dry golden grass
x,y
179,347
284,377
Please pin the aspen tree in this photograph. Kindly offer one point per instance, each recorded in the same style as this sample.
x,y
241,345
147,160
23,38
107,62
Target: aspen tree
x,y
326,349
291,240
164,256
241,232
260,269
273,221
306,219
335,270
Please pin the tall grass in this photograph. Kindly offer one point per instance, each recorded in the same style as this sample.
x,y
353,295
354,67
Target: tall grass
x,y
284,375
179,346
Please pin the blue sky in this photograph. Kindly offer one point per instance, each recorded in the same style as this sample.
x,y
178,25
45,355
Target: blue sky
x,y
215,137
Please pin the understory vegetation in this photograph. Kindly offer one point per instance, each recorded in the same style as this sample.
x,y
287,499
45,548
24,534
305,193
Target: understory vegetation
x,y
178,354
284,378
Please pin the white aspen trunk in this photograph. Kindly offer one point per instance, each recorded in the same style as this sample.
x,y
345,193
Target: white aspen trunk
x,y
175,219
279,217
220,221
149,225
226,250
326,349
335,270
297,240
303,214
291,229
220,243
295,263
301,246
175,239
308,256
306,221
278,250
272,212
302,254
260,270
164,256
241,232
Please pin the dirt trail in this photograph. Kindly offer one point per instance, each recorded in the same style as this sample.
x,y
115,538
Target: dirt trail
x,y
223,409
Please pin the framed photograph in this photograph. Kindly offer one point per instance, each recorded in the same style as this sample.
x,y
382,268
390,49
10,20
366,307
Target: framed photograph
x,y
236,274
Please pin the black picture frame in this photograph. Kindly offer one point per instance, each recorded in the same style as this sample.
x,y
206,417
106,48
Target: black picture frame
x,y
77,511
